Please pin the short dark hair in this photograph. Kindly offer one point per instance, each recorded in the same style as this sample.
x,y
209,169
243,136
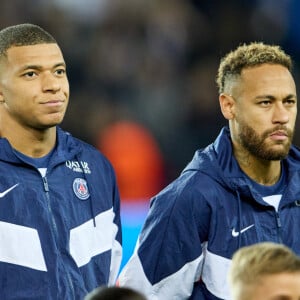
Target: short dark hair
x,y
247,56
23,35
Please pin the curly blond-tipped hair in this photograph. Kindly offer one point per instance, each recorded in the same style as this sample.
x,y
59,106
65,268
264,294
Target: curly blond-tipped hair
x,y
246,56
250,264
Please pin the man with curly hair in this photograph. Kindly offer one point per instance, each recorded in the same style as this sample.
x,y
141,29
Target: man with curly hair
x,y
242,189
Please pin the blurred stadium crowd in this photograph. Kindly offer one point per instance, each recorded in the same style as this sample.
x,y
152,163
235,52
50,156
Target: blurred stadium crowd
x,y
142,77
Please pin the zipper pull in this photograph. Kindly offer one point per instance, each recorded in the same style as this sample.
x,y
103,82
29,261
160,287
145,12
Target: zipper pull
x,y
46,186
278,221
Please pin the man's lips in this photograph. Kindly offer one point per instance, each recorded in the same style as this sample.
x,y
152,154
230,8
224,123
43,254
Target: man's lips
x,y
279,135
53,102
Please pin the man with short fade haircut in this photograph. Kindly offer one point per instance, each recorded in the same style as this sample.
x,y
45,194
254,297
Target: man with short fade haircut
x,y
60,234
242,189
265,271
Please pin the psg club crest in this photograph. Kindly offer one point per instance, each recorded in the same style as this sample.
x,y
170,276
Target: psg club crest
x,y
80,188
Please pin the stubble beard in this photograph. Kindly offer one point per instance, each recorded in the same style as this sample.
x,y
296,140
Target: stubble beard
x,y
257,146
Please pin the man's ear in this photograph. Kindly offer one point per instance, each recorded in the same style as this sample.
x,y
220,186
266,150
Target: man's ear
x,y
227,104
1,93
2,100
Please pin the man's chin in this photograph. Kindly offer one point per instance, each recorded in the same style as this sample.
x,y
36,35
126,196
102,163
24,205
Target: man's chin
x,y
273,153
48,125
276,155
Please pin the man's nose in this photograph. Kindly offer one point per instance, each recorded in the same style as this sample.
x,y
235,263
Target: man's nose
x,y
50,83
281,114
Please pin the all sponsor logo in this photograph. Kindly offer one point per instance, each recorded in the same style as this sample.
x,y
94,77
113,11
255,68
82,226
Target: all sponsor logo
x,y
237,233
79,167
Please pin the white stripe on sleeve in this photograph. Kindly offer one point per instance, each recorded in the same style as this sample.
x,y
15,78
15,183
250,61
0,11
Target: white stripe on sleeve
x,y
177,286
214,275
21,245
87,241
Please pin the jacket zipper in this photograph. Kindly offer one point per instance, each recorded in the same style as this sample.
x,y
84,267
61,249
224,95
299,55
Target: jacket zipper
x,y
46,189
279,230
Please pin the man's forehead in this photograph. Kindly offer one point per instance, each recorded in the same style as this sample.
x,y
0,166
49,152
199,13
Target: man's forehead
x,y
34,51
34,54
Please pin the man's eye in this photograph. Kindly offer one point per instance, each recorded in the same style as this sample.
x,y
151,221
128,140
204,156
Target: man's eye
x,y
290,102
30,74
265,103
60,72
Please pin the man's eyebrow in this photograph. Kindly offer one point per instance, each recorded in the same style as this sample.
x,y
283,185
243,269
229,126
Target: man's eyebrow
x,y
282,297
271,97
291,96
265,97
39,67
62,64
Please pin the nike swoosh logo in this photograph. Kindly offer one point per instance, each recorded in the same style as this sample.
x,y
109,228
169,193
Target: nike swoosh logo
x,y
8,190
237,233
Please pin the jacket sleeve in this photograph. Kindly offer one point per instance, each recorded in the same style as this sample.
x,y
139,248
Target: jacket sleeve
x,y
168,257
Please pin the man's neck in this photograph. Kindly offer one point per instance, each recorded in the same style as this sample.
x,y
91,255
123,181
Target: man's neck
x,y
264,172
33,143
